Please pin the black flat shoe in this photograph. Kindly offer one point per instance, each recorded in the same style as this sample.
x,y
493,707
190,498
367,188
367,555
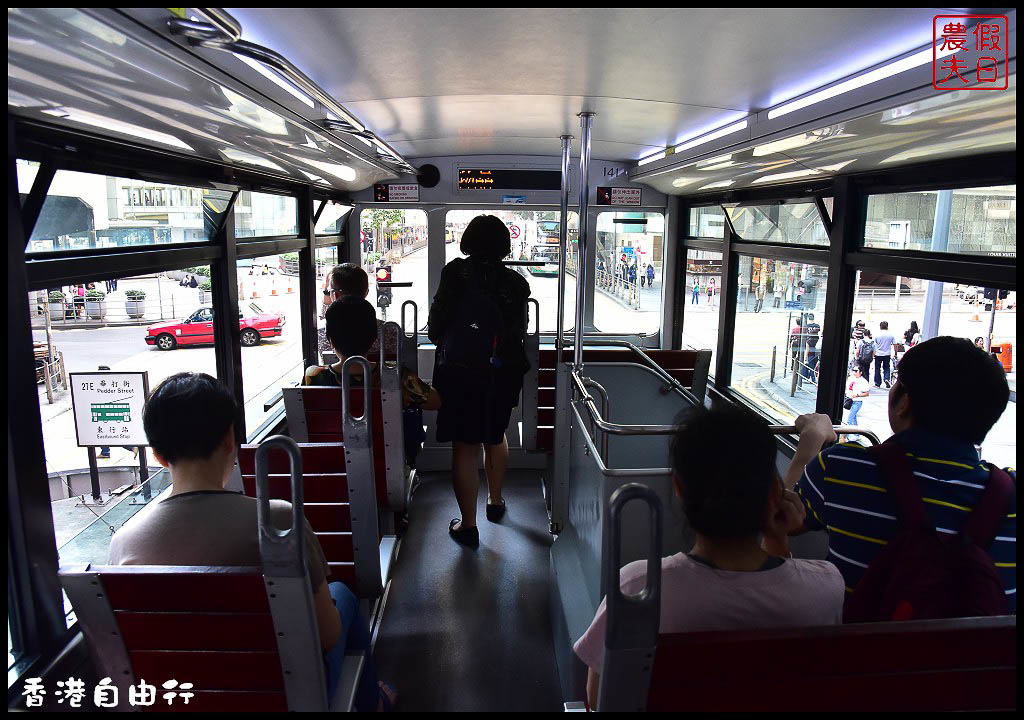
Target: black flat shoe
x,y
464,536
496,512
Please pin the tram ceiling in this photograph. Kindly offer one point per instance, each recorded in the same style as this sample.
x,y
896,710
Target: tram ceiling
x,y
95,70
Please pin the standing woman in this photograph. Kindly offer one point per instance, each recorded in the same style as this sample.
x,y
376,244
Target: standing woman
x,y
478,322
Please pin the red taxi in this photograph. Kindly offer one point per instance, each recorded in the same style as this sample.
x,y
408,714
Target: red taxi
x,y
197,329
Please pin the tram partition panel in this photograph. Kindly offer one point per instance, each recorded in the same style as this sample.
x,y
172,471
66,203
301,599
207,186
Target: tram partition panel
x,y
635,395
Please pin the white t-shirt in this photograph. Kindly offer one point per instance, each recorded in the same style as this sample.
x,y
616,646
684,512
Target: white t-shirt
x,y
695,596
855,386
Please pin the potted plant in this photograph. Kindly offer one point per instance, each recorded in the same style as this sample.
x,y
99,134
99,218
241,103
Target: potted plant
x,y
56,301
205,289
95,304
133,303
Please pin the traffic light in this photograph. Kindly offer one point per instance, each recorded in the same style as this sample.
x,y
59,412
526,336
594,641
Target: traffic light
x,y
383,293
990,293
1003,294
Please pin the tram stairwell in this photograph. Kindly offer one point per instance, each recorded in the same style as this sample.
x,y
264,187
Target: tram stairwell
x,y
470,629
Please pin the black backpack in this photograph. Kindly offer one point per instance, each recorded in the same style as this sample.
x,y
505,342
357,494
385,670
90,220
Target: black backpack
x,y
867,351
471,341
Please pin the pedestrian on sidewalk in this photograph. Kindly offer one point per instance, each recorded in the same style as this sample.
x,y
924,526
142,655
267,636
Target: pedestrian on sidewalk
x,y
856,388
759,294
779,290
711,292
696,292
883,354
866,354
650,275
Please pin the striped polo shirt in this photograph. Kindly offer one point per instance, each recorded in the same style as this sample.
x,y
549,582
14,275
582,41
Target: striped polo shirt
x,y
844,492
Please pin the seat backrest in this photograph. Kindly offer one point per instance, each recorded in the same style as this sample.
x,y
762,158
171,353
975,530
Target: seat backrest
x,y
933,665
342,510
208,626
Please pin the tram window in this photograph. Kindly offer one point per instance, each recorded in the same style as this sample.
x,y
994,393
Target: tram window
x,y
535,237
982,221
86,211
703,300
707,222
628,294
265,215
268,298
958,310
332,219
780,313
121,325
397,239
790,223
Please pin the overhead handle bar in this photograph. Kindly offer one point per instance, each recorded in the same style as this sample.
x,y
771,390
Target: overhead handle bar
x,y
279,549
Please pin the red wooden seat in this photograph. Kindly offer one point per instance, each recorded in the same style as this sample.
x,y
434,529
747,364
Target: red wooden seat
x,y
349,537
968,664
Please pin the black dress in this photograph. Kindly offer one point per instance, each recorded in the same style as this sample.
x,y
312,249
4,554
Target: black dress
x,y
476,405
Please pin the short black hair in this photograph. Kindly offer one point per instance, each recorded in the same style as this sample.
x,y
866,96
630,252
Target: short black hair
x,y
486,236
966,408
884,325
351,325
724,462
350,279
188,415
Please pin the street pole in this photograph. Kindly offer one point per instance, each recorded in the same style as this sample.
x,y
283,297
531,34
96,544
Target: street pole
x,y
940,242
991,324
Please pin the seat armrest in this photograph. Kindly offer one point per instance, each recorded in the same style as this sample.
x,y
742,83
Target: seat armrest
x,y
351,672
576,706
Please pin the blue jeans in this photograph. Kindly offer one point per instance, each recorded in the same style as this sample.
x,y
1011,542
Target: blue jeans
x,y
354,636
695,296
852,420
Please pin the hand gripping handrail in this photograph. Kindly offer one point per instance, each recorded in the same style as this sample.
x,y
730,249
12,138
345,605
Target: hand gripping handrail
x,y
280,549
631,633
839,430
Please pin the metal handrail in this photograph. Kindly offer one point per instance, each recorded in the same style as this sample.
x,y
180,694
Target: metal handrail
x,y
415,320
224,33
563,234
605,412
619,429
280,548
649,362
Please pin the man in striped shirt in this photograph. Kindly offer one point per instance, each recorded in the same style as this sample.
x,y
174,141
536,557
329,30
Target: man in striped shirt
x,y
939,424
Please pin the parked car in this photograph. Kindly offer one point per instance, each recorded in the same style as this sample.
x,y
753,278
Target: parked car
x,y
197,329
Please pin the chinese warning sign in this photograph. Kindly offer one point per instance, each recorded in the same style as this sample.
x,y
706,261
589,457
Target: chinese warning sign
x,y
970,52
108,408
618,196
408,192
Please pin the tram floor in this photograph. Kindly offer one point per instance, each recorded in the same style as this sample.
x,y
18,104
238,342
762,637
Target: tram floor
x,y
465,629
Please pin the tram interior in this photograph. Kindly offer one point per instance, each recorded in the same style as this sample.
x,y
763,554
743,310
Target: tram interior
x,y
685,189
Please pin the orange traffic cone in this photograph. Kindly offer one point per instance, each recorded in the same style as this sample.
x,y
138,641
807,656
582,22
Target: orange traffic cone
x,y
273,286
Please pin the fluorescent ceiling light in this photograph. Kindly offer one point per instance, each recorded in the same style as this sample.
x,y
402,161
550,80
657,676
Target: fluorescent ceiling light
x,y
721,132
908,63
651,158
684,181
276,79
719,184
343,172
785,176
785,144
85,118
244,157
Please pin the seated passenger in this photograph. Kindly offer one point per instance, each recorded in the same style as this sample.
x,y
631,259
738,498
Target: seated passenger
x,y
350,280
351,331
190,422
939,424
739,574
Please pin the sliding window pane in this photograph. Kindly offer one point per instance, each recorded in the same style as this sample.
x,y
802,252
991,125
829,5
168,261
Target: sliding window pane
x,y
790,223
265,215
703,287
972,221
707,222
779,318
332,219
83,211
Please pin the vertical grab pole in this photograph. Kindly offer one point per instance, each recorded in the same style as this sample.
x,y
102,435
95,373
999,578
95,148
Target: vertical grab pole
x,y
586,120
563,245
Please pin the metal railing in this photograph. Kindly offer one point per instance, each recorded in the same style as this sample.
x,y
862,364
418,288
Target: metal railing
x,y
647,360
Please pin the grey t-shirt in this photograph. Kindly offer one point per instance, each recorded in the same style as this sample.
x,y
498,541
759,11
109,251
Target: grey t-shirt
x,y
883,344
206,527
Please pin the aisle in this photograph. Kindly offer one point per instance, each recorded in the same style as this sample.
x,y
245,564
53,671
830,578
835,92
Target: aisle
x,y
470,630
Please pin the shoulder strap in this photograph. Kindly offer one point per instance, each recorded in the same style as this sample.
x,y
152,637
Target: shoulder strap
x,y
898,473
984,521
